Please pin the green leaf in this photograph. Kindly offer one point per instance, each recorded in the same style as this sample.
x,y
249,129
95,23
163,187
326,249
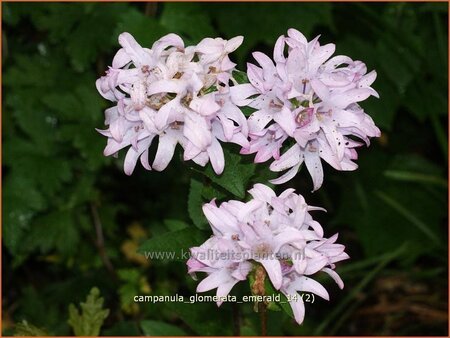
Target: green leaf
x,y
340,308
146,30
172,245
265,22
408,211
158,328
123,328
415,169
236,175
130,288
24,329
55,230
194,314
22,200
188,20
409,215
175,224
90,321
240,77
195,203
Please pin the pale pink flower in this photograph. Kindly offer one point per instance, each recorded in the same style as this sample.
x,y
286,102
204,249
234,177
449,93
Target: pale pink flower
x,y
224,271
276,232
314,100
177,94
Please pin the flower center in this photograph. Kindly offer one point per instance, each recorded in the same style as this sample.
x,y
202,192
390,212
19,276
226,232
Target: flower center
x,y
304,117
262,250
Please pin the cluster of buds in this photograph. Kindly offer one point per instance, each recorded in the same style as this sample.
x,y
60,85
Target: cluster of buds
x,y
275,232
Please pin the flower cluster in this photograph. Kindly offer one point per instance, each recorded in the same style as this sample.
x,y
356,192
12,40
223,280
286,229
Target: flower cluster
x,y
311,99
179,94
275,232
304,101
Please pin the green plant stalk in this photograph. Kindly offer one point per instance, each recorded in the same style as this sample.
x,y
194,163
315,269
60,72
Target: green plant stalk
x,y
419,224
409,176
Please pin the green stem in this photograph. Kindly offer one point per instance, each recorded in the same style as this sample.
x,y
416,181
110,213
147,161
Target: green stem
x,y
419,224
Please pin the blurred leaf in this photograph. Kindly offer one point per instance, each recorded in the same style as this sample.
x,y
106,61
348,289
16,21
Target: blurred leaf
x,y
56,230
84,47
414,177
24,329
146,30
406,211
267,21
340,308
195,203
33,305
441,7
21,202
157,328
172,245
194,314
189,20
73,23
394,65
89,322
128,290
409,215
123,328
414,168
174,224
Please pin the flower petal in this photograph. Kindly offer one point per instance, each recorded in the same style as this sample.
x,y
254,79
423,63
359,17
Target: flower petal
x,y
164,154
273,269
333,274
133,49
287,176
240,93
314,165
216,156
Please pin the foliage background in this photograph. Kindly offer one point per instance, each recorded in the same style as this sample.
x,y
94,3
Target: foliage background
x,y
59,190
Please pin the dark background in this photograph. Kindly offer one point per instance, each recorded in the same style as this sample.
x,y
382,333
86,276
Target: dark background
x,y
59,190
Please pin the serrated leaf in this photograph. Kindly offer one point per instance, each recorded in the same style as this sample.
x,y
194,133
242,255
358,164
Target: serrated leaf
x,y
55,230
158,328
90,321
236,175
22,200
24,329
